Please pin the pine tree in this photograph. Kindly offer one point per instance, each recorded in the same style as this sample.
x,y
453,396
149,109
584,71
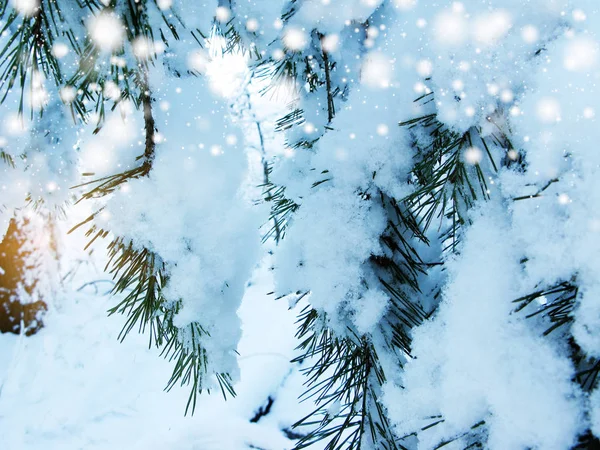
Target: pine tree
x,y
370,224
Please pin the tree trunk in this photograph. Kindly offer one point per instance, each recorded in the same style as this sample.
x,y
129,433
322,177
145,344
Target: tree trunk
x,y
20,310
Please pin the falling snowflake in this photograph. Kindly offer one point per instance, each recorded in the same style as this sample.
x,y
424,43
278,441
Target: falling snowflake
x,y
548,110
295,39
580,54
106,30
60,50
223,14
26,7
473,155
377,71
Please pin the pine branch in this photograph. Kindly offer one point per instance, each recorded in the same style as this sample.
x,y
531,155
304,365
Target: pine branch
x,y
29,49
143,276
344,381
275,231
539,193
7,159
446,185
327,68
139,272
587,369
107,185
556,304
282,210
149,123
400,271
345,377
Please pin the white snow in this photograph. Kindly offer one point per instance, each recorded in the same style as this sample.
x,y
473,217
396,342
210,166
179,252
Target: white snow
x,y
476,361
521,74
74,385
107,32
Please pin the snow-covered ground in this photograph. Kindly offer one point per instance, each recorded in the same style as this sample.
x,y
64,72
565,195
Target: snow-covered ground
x,y
75,386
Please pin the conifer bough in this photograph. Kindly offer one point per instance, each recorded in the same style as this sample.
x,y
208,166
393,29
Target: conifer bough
x,y
431,185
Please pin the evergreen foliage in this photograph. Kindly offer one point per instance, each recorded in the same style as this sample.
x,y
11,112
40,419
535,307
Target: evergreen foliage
x,y
346,369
